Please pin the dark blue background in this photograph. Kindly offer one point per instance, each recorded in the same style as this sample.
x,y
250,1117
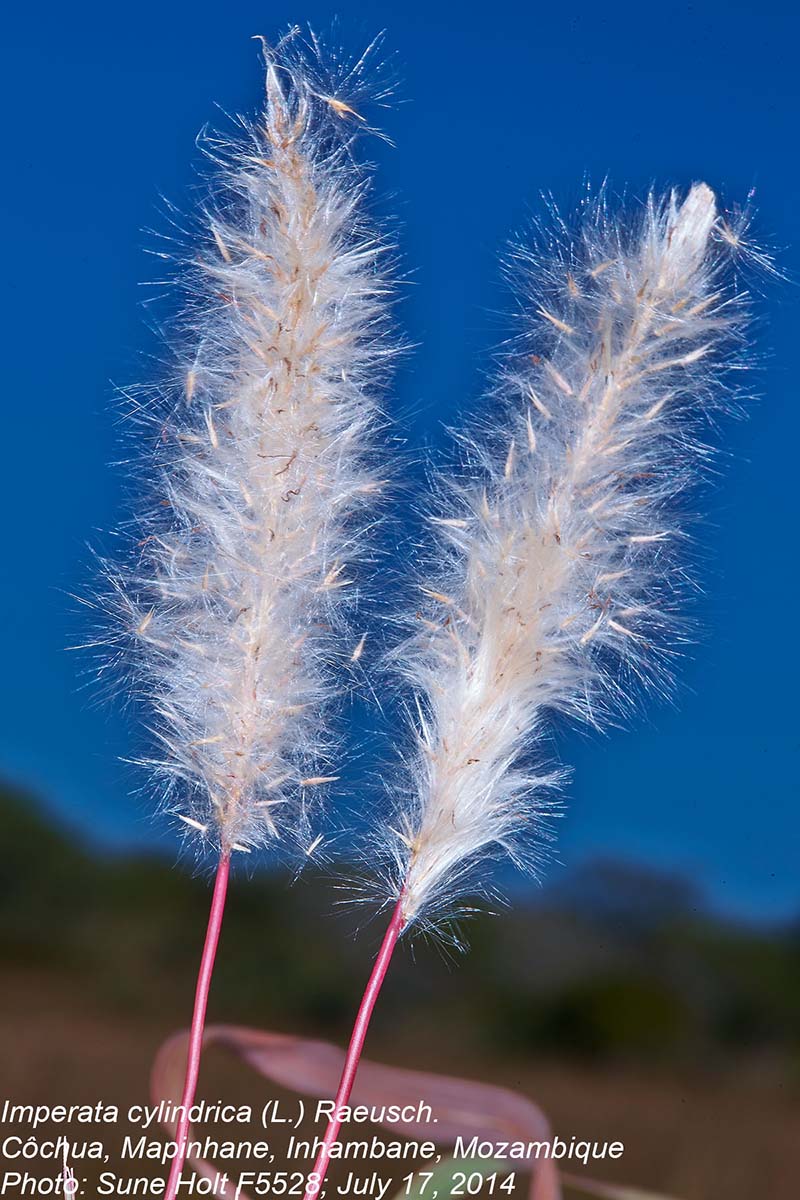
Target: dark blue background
x,y
101,104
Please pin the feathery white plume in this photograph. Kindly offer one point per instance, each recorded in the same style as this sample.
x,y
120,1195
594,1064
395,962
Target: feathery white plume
x,y
236,596
561,566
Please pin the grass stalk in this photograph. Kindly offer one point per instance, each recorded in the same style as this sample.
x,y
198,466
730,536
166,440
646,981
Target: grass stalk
x,y
202,989
355,1047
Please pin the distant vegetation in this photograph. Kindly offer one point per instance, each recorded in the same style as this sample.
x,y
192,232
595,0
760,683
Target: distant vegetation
x,y
615,964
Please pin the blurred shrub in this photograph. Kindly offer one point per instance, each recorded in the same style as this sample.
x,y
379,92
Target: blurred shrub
x,y
617,963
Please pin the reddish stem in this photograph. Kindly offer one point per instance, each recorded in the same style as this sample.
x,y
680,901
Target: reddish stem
x,y
199,1019
357,1038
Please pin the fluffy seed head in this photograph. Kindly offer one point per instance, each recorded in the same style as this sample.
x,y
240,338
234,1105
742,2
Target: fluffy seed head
x,y
236,594
562,564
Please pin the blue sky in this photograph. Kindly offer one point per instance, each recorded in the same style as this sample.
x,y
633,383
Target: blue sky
x,y
102,104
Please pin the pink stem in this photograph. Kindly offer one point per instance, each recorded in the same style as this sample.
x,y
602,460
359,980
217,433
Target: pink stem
x,y
199,1019
353,1055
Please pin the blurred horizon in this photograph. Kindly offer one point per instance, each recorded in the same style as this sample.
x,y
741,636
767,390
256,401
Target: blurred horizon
x,y
491,112
606,884
616,1002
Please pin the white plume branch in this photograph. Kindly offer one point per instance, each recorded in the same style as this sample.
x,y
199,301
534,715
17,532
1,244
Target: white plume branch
x,y
561,560
237,596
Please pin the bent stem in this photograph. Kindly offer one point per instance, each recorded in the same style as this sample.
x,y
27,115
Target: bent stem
x,y
353,1056
199,1019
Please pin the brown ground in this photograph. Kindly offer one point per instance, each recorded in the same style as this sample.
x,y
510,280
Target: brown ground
x,y
726,1137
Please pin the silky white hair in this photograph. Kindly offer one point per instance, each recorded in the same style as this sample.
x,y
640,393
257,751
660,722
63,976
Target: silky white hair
x,y
236,594
560,576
